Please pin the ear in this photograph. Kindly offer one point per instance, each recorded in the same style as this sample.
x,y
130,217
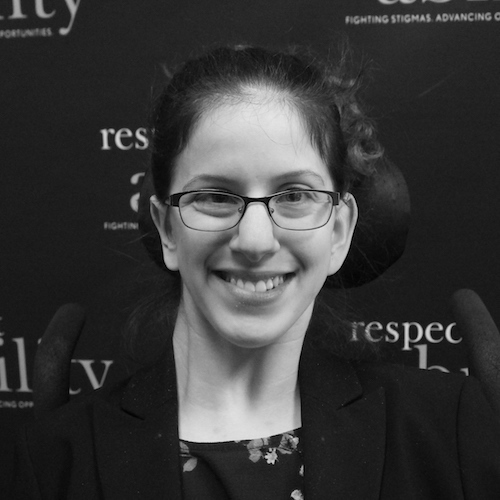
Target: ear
x,y
346,216
159,214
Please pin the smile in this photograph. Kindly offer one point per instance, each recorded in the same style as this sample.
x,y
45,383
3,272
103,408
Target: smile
x,y
260,285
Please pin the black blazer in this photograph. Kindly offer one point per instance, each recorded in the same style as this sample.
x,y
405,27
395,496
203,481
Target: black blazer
x,y
370,431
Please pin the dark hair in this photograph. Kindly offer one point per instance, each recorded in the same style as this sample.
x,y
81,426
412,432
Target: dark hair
x,y
324,94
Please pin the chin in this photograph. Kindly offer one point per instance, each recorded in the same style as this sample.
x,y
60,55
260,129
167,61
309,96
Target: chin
x,y
255,333
252,342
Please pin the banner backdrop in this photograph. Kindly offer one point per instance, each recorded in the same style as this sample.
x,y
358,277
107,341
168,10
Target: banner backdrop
x,y
77,81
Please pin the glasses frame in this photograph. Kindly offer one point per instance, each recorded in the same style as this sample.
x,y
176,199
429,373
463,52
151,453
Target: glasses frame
x,y
174,199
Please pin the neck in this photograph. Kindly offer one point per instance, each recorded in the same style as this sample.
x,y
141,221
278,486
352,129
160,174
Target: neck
x,y
227,392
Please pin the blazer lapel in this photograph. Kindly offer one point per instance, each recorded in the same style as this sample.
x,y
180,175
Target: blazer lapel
x,y
137,443
343,430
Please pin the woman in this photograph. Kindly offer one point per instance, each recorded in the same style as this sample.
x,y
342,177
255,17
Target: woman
x,y
253,156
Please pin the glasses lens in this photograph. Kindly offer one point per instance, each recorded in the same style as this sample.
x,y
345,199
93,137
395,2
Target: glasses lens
x,y
210,210
301,209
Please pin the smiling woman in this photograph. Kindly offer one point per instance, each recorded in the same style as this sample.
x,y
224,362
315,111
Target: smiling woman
x,y
254,154
253,148
234,113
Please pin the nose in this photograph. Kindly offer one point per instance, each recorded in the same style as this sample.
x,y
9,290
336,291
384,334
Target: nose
x,y
255,234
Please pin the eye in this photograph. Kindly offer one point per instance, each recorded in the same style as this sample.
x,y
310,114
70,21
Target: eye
x,y
294,197
213,203
218,198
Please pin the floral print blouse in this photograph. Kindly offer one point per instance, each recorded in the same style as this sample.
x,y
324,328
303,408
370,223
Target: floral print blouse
x,y
268,468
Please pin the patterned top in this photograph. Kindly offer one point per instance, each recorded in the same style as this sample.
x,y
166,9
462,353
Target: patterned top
x,y
268,468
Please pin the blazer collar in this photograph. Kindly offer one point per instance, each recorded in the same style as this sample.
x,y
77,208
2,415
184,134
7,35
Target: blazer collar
x,y
343,429
137,442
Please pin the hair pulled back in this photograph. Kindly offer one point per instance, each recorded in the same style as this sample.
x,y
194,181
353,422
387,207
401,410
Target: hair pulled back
x,y
323,95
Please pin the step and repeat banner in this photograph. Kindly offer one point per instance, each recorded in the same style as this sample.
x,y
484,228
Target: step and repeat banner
x,y
77,79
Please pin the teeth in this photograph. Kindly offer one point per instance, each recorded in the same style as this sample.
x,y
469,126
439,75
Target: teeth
x,y
259,286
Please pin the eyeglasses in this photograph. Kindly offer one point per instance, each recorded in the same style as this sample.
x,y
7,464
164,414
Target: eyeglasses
x,y
297,210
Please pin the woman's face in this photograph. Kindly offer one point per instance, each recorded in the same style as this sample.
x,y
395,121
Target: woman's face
x,y
254,150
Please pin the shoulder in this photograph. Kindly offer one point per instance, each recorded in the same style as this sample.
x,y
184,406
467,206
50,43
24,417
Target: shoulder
x,y
403,380
75,417
439,417
433,403
130,397
419,390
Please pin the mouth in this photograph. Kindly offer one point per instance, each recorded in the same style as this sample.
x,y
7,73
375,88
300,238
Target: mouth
x,y
261,284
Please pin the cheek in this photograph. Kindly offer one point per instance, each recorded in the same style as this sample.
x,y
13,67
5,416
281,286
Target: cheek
x,y
184,239
196,250
314,247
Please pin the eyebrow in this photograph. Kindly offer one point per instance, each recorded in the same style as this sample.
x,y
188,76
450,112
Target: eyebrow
x,y
207,178
287,176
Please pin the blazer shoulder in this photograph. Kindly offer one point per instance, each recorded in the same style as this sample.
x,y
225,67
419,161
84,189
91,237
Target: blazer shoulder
x,y
418,391
399,377
77,413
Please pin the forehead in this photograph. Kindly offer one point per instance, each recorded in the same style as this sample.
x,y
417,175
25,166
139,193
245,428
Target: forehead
x,y
254,139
